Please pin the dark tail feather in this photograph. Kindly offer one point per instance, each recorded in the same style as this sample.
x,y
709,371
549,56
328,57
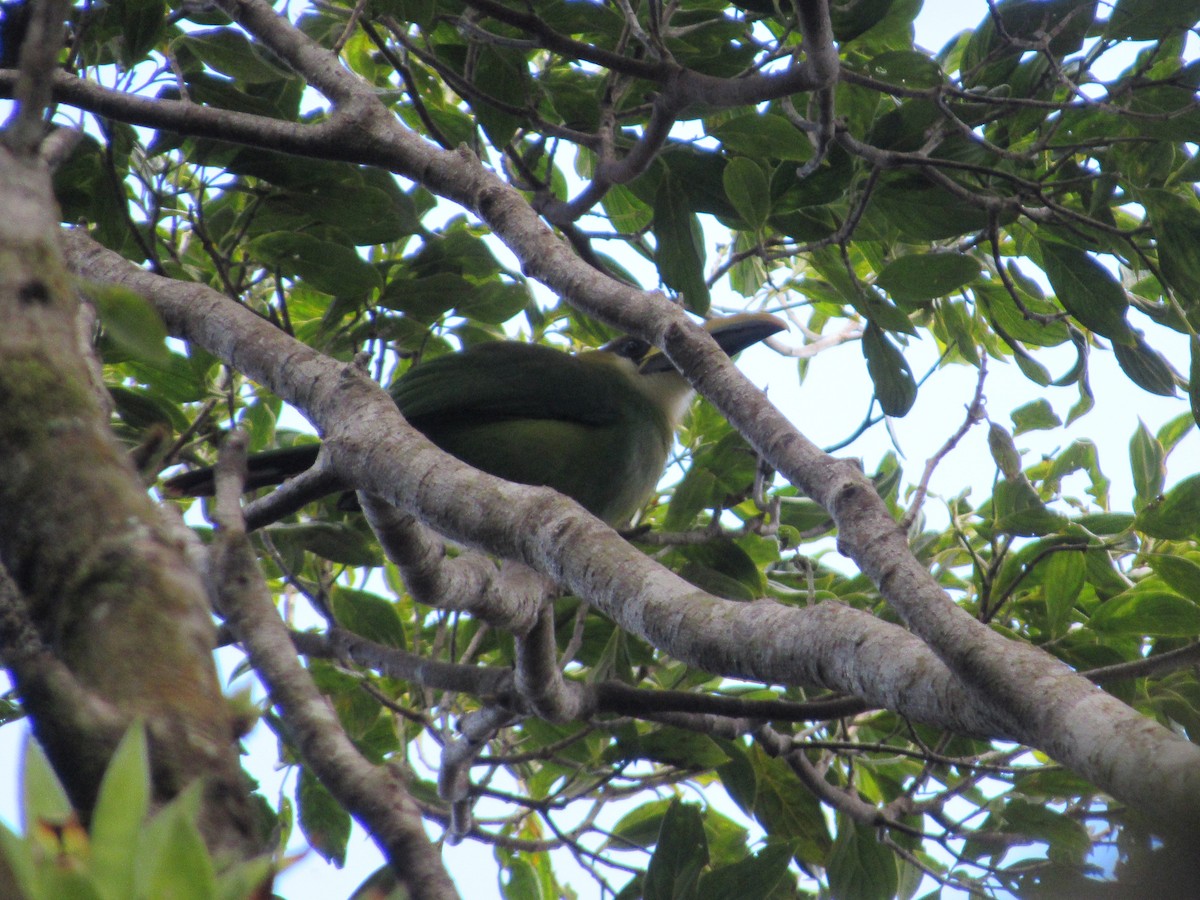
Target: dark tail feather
x,y
262,469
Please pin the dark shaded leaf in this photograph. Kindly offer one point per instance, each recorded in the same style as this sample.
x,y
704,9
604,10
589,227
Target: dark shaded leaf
x,y
756,876
680,245
328,267
682,852
368,615
335,541
230,52
1087,291
747,188
861,867
1145,366
895,387
1150,20
325,824
919,277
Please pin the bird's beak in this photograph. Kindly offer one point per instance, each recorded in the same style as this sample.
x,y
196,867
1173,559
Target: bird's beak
x,y
732,334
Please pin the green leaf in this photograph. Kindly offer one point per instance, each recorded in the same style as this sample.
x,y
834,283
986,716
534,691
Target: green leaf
x,y
861,867
1150,20
364,213
1145,366
494,302
501,73
763,137
43,799
426,298
16,856
1067,837
761,875
144,409
682,852
721,473
747,189
1087,291
922,212
522,883
680,245
340,542
907,68
1174,516
1176,224
328,267
368,615
1180,572
1063,575
230,52
895,387
1032,521
1146,458
1107,523
131,322
916,279
1004,451
121,807
723,567
1175,430
640,827
789,812
670,746
1148,611
1194,379
171,859
1081,454
1036,415
326,825
803,514
142,24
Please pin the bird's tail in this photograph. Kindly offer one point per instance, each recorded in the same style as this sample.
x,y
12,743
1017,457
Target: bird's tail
x,y
262,469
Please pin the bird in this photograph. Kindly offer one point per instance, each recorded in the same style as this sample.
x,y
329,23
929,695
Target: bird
x,y
597,426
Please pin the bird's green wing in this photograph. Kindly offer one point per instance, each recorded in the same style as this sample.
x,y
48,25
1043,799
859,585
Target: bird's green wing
x,y
506,380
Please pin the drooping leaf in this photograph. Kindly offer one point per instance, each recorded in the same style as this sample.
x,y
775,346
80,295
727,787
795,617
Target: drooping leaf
x,y
1145,366
861,867
325,824
680,245
748,191
895,387
681,854
1087,291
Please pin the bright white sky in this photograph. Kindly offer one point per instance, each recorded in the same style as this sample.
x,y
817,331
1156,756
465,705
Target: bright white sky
x,y
834,374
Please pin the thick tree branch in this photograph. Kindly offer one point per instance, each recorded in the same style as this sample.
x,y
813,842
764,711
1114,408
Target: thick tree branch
x,y
376,795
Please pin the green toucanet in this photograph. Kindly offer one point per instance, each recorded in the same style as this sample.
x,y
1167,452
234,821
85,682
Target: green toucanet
x,y
596,426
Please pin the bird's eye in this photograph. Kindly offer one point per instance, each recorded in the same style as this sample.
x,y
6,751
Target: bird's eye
x,y
628,347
